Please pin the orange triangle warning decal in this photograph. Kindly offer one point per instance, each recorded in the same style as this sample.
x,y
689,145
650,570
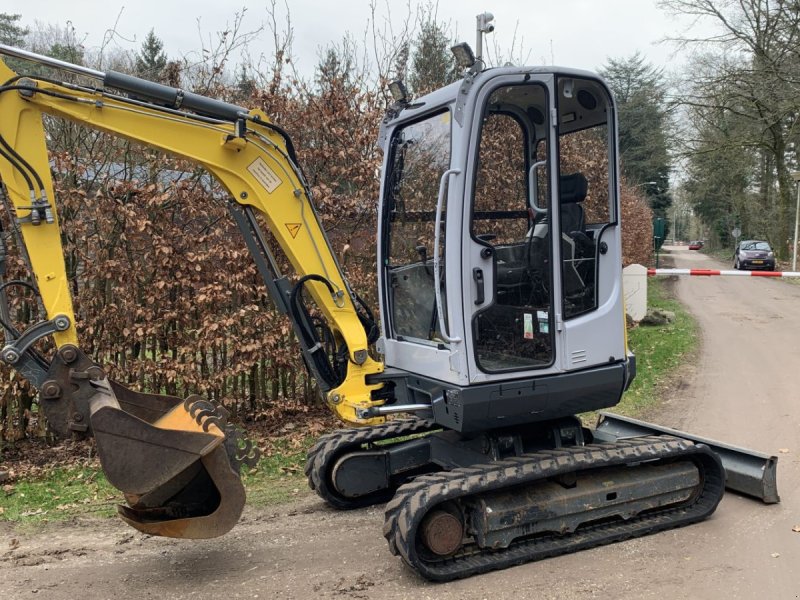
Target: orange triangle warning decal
x,y
293,228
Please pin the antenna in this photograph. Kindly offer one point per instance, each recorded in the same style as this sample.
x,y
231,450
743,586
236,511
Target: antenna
x,y
483,27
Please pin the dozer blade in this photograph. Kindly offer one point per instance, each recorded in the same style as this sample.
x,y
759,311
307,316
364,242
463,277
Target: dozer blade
x,y
176,461
746,471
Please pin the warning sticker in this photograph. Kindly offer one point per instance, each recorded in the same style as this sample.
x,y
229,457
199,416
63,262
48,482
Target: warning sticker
x,y
544,321
293,228
265,176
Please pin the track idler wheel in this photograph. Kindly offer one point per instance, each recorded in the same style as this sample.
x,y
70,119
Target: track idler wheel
x,y
442,531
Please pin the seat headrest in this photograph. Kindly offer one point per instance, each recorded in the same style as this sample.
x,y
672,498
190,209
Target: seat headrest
x,y
573,188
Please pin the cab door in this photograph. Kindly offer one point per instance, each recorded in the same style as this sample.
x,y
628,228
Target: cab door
x,y
592,302
420,249
542,259
510,283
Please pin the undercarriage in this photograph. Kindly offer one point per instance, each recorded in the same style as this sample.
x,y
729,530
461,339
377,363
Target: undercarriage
x,y
460,504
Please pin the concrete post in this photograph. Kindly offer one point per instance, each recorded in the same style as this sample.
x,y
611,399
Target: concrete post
x,y
634,287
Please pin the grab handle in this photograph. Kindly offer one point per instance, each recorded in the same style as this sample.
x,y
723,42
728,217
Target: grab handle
x,y
437,284
534,188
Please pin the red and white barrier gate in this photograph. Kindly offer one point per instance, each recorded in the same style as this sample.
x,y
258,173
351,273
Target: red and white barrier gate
x,y
634,281
714,272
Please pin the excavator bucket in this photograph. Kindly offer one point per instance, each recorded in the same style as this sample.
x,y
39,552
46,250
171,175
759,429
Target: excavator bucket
x,y
176,461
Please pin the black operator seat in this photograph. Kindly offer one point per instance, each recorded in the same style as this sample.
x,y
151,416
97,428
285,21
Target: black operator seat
x,y
572,191
575,244
520,264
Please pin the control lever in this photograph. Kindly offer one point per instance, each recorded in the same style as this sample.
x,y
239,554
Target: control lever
x,y
423,257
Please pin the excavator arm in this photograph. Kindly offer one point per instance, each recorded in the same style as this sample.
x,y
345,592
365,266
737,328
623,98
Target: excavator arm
x,y
175,460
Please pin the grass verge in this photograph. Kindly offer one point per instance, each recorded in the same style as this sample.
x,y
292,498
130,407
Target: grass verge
x,y
279,476
61,494
78,491
659,350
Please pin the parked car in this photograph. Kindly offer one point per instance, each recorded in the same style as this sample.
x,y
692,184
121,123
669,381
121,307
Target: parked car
x,y
696,245
754,254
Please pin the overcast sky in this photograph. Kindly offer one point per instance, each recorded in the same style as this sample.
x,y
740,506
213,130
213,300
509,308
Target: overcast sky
x,y
574,33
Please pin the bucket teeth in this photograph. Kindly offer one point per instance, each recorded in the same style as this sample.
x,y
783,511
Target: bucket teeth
x,y
209,421
194,405
204,415
241,450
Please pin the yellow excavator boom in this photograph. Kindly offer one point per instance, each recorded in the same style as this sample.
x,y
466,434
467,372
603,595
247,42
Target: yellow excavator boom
x,y
175,460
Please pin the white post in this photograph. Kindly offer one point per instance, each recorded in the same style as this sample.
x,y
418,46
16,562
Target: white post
x,y
634,287
674,226
796,176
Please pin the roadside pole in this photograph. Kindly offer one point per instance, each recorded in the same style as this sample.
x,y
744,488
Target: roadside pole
x,y
796,177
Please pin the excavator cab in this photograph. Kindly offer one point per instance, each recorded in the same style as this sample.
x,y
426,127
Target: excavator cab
x,y
500,248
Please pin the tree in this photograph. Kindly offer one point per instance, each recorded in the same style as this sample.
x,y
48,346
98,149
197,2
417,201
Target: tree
x,y
56,41
644,157
722,156
432,63
719,176
151,58
751,69
336,68
11,33
67,53
245,85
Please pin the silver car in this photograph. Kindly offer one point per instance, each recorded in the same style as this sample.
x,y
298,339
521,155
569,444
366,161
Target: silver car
x,y
754,254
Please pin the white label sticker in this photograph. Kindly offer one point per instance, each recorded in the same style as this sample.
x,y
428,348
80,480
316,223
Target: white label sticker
x,y
528,325
265,176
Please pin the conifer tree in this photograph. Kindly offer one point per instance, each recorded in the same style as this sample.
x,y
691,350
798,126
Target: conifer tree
x,y
151,58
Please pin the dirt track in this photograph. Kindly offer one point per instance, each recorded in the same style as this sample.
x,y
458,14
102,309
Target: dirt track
x,y
743,390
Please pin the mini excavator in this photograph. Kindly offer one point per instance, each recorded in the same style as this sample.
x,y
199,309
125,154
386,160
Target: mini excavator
x,y
501,318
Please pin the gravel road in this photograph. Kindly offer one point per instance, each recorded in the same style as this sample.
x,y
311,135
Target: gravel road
x,y
743,389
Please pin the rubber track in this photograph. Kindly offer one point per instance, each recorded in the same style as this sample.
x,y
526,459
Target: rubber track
x,y
412,501
323,455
